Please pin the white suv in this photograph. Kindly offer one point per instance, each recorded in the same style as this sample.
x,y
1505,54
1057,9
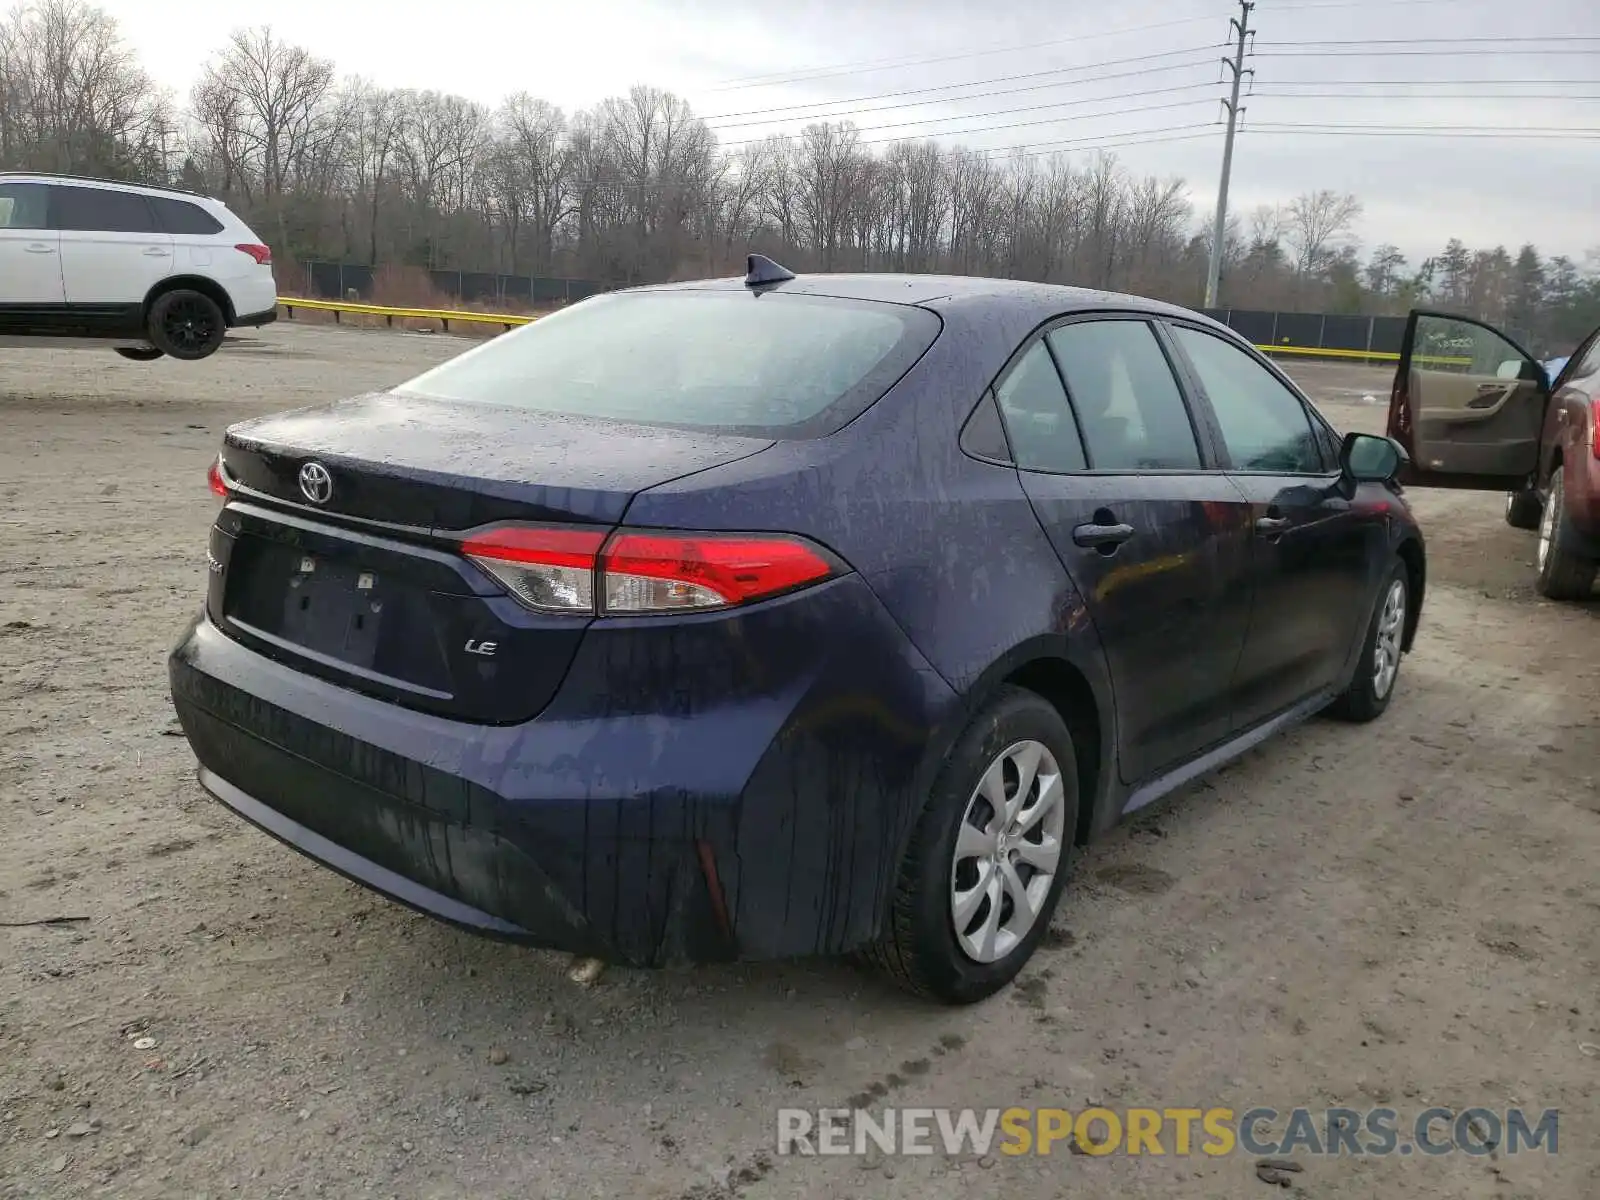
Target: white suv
x,y
150,270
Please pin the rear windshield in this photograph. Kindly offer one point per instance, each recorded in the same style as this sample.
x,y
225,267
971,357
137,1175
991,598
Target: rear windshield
x,y
763,364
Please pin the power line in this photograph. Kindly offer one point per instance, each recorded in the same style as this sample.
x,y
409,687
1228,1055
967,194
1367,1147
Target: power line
x,y
944,87
1423,53
1421,96
992,128
1462,41
773,79
1441,131
1187,87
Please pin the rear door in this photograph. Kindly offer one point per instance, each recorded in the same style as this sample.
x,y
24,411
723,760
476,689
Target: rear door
x,y
1468,405
112,248
1154,537
30,258
1315,547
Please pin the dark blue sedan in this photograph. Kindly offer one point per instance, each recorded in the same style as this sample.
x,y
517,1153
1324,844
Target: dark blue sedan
x,y
785,616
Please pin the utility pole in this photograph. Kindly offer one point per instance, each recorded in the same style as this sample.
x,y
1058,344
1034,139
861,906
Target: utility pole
x,y
1239,25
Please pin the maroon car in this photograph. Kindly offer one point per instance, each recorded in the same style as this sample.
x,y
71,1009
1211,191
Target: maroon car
x,y
1474,409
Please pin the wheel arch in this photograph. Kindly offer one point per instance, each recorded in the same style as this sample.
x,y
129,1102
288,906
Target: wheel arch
x,y
1416,564
195,283
1070,675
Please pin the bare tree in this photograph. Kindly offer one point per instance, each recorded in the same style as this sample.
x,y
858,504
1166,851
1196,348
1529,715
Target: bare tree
x,y
1318,223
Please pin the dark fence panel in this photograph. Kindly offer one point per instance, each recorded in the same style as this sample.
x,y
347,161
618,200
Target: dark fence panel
x,y
1315,331
1346,333
1388,333
335,281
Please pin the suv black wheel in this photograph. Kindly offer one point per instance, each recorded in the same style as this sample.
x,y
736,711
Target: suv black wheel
x,y
1564,574
1378,670
989,855
186,324
1523,509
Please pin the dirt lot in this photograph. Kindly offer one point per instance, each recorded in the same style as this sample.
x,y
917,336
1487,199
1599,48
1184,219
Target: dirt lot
x,y
1404,913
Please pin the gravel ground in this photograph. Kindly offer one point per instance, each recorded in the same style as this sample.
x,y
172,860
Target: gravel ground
x,y
1404,913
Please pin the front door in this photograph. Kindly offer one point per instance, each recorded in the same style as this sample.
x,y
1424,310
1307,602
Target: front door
x,y
1155,541
30,253
1468,405
112,252
1315,542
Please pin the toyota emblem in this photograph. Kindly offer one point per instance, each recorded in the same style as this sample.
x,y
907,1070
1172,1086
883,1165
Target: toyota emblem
x,y
316,483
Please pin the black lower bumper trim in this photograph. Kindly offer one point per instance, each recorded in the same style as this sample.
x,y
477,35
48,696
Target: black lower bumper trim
x,y
353,866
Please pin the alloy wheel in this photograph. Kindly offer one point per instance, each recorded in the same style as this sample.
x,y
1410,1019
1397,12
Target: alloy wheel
x,y
1386,647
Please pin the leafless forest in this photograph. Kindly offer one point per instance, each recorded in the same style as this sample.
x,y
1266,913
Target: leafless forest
x,y
639,188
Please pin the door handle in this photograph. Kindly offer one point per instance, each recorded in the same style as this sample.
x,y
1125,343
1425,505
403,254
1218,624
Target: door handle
x,y
1489,394
157,252
40,248
1271,525
1100,537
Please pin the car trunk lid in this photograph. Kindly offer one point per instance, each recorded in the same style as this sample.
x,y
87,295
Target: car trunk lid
x,y
338,550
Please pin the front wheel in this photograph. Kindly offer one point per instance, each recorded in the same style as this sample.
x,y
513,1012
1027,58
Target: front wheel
x,y
187,325
1372,688
988,857
1564,574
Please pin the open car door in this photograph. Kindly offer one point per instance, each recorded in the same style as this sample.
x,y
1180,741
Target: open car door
x,y
1468,405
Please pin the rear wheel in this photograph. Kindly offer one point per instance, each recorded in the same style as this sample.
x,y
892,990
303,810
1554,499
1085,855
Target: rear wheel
x,y
1563,573
988,857
139,353
1372,688
186,324
1523,509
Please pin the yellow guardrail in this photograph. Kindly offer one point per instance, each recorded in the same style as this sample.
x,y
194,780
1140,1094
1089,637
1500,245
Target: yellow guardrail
x,y
510,320
442,315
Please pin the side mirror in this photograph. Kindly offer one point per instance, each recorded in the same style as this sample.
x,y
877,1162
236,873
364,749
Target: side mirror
x,y
1368,458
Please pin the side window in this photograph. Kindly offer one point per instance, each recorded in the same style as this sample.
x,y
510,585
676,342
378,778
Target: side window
x,y
1128,403
983,436
23,206
100,210
1043,434
181,217
1463,348
1264,424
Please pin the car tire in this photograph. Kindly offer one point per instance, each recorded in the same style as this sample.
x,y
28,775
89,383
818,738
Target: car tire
x,y
140,353
946,872
1378,669
1563,573
1523,508
186,324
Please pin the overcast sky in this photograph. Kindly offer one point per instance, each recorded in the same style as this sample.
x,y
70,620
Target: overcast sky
x,y
736,60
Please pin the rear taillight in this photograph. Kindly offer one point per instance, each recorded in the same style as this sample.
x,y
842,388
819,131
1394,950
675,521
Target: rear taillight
x,y
262,254
215,479
550,570
579,571
1594,421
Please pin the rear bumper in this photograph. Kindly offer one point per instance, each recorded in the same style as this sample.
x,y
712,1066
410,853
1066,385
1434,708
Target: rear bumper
x,y
255,320
709,825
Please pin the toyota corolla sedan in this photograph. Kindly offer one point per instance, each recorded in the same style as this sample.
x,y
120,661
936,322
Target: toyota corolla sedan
x,y
785,616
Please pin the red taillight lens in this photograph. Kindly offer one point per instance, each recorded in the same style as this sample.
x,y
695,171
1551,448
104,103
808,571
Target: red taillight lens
x,y
671,572
215,480
547,569
262,254
1594,421
565,570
